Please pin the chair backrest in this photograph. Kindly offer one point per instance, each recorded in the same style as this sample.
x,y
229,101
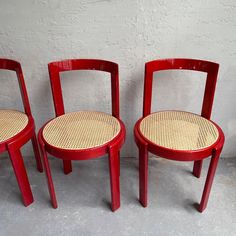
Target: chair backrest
x,y
82,64
7,64
210,68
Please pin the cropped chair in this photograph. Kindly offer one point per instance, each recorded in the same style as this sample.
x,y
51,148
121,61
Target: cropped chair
x,y
179,135
83,135
17,128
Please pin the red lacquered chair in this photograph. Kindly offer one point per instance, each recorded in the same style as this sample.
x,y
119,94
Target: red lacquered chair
x,y
17,128
179,135
83,135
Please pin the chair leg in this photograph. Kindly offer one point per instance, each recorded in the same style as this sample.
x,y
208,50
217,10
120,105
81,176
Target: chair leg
x,y
143,175
197,167
114,168
49,178
67,166
21,176
118,162
37,153
209,180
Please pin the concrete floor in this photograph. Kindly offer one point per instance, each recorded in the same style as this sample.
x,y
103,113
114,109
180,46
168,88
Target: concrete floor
x,y
84,197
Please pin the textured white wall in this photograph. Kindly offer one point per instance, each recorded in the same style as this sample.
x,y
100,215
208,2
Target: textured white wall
x,y
129,33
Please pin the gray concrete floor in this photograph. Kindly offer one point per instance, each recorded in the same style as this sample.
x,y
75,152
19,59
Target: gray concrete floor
x,y
84,196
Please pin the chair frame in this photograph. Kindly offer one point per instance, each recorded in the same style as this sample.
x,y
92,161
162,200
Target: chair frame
x,y
111,148
13,144
197,156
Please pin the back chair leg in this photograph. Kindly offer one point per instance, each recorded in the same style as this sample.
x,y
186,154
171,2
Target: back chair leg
x,y
67,166
114,167
37,153
143,175
197,167
209,179
21,176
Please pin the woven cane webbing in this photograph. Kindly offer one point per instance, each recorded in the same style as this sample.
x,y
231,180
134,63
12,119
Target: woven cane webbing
x,y
11,123
179,130
81,130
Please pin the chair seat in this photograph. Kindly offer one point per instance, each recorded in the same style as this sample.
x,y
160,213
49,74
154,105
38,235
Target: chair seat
x,y
179,130
81,130
11,123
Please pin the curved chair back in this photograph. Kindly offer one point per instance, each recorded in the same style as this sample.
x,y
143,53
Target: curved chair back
x,y
208,67
83,64
7,64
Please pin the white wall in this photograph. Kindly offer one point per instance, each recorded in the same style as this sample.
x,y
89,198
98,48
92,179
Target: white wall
x,y
130,33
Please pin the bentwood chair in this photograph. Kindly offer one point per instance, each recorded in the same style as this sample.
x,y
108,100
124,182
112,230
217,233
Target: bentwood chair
x,y
179,135
17,128
83,135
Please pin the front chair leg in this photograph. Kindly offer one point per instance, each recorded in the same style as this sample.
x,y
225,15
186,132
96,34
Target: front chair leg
x,y
209,179
197,167
37,153
114,167
21,176
118,162
49,177
67,166
143,174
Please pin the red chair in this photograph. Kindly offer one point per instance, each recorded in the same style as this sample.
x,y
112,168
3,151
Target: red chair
x,y
179,135
17,128
83,135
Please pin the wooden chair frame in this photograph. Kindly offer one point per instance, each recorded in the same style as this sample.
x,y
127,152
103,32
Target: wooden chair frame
x,y
197,156
112,148
13,144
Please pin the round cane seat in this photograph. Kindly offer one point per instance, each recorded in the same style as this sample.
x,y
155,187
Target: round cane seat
x,y
179,130
81,130
11,123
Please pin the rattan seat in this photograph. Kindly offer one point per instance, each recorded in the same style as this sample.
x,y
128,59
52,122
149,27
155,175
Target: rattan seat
x,y
179,130
11,123
81,130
